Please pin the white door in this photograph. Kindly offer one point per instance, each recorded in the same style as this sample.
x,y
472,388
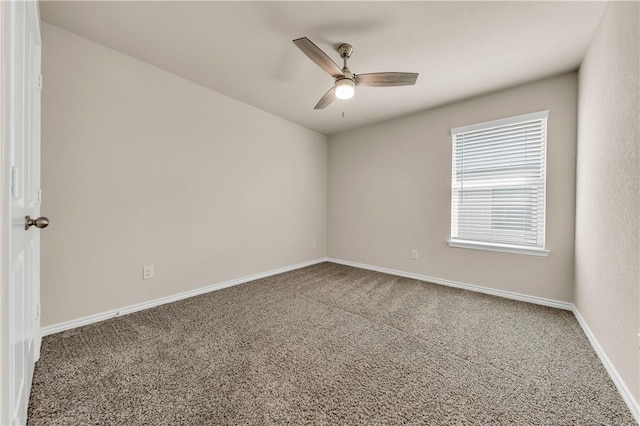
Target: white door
x,y
20,89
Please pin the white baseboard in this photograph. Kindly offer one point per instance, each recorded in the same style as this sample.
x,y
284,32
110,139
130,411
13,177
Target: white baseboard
x,y
501,293
68,325
625,392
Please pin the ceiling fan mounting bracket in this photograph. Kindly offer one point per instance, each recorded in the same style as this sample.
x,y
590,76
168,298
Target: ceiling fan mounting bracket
x,y
345,50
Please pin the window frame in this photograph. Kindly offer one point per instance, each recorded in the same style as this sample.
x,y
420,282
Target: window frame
x,y
496,246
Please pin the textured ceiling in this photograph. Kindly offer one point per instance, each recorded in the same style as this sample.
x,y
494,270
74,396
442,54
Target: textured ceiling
x,y
244,49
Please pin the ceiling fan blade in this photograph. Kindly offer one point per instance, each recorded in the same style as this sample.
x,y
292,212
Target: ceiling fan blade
x,y
318,56
384,79
328,97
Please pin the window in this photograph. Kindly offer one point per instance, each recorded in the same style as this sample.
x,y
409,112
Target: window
x,y
498,185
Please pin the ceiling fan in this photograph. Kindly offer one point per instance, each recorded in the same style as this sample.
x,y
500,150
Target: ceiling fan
x,y
345,80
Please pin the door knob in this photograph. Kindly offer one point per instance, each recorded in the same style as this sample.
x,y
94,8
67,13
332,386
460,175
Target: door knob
x,y
41,222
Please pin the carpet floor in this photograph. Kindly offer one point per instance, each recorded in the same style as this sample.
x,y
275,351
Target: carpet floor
x,y
327,345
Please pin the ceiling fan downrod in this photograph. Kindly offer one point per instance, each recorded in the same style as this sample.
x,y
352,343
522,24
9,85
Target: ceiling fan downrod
x,y
345,50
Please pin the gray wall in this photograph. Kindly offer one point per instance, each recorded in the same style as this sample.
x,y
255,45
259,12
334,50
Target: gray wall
x,y
608,190
142,167
389,193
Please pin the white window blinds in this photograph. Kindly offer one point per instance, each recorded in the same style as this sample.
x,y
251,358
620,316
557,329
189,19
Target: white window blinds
x,y
498,182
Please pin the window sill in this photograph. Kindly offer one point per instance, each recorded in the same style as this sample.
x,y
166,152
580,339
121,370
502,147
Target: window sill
x,y
498,247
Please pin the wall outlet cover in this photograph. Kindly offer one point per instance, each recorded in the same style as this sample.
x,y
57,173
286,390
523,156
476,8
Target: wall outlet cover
x,y
147,272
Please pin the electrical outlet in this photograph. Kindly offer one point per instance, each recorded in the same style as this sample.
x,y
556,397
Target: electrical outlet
x,y
147,272
313,244
414,254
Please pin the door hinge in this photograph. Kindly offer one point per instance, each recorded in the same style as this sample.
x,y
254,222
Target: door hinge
x,y
37,314
40,81
39,196
15,188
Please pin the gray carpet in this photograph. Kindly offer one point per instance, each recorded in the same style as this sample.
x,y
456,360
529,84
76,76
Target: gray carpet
x,y
327,344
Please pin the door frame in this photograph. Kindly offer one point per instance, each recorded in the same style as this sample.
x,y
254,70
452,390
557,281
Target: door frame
x,y
5,215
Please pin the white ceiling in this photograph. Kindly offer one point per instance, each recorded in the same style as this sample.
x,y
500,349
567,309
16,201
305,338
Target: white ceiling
x,y
244,49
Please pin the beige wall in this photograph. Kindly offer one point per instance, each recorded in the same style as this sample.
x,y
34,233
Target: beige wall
x,y
389,193
608,190
142,167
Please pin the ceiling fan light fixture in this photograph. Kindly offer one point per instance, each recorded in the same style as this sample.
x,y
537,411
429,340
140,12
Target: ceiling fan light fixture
x,y
345,88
